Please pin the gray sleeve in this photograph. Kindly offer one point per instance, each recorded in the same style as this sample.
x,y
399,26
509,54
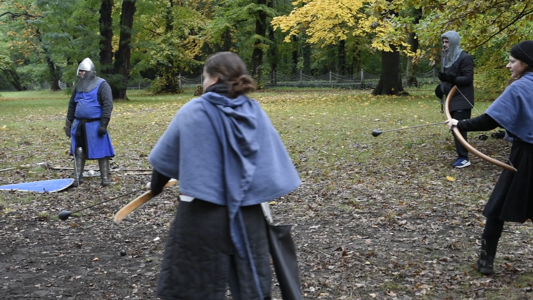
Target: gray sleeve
x,y
71,106
105,98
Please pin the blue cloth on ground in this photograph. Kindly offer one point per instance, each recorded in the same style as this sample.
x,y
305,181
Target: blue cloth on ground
x,y
43,186
513,109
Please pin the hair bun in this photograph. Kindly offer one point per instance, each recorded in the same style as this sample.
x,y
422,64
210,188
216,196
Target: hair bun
x,y
242,85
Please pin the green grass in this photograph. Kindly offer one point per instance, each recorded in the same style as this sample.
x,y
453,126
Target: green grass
x,y
398,175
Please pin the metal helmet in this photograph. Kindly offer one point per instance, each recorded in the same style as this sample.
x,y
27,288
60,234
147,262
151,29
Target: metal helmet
x,y
86,65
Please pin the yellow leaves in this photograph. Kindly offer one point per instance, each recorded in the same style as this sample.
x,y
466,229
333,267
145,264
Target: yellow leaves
x,y
324,21
450,178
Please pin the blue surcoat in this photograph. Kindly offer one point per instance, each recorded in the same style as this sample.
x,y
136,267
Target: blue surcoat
x,y
89,109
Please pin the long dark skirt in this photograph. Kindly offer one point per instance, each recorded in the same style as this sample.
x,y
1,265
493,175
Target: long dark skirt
x,y
200,260
512,198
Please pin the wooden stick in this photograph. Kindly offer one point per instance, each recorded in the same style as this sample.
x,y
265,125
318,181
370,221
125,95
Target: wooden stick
x,y
135,203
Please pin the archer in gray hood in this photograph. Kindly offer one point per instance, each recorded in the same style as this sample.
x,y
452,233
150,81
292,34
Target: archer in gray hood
x,y
457,69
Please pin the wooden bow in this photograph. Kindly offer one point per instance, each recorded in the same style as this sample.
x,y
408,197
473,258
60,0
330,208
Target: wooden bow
x,y
135,203
465,143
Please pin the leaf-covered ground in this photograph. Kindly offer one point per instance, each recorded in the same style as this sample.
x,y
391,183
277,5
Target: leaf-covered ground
x,y
375,218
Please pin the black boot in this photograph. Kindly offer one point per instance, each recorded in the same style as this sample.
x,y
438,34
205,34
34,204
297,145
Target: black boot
x,y
485,262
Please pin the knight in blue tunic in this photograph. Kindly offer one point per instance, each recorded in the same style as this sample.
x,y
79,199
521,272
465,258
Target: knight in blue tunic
x,y
88,115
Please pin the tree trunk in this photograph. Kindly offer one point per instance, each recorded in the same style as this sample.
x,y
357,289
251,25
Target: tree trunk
x,y
272,57
106,32
341,62
169,71
13,77
257,54
413,42
123,54
356,62
295,47
390,82
410,71
306,55
54,75
228,38
53,72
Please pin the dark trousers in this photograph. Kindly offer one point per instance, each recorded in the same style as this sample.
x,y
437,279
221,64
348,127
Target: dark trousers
x,y
461,114
493,228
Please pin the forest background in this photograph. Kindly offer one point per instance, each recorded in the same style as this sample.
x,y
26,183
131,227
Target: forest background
x,y
376,218
134,41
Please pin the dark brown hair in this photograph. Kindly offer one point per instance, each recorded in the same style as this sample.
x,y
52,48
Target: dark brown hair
x,y
229,68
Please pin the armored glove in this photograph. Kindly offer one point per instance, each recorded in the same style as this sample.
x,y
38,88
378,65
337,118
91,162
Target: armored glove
x,y
68,125
102,130
445,77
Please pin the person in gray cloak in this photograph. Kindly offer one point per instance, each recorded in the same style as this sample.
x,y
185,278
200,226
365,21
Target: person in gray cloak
x,y
228,159
89,112
512,197
458,71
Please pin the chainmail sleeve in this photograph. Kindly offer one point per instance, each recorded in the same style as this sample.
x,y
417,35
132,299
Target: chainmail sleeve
x,y
71,106
105,98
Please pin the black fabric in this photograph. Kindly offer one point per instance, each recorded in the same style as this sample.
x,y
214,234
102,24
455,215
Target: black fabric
x,y
200,259
445,77
463,72
493,228
524,52
462,152
479,123
158,182
285,262
512,198
81,136
219,88
438,92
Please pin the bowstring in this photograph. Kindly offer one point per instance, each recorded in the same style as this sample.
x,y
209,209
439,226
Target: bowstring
x,y
472,105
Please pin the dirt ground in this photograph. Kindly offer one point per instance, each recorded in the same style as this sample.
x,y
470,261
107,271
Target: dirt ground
x,y
385,238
